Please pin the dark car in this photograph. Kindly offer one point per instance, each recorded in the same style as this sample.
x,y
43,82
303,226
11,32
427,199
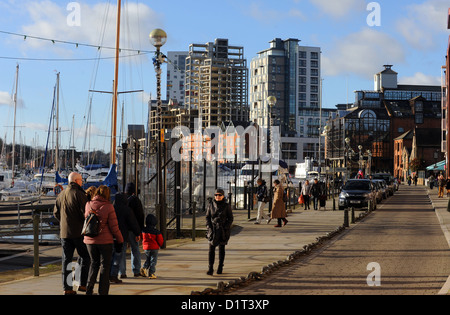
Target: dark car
x,y
357,193
389,179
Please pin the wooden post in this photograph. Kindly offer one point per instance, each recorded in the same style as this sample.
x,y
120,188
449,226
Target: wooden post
x,y
36,243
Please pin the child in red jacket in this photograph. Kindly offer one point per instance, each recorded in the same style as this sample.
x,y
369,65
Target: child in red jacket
x,y
152,240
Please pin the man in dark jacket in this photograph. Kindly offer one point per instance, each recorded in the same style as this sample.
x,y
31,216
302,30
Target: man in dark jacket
x,y
69,211
138,210
128,226
316,191
263,197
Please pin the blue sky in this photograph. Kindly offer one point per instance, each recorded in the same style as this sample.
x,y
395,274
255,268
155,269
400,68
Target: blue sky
x,y
412,36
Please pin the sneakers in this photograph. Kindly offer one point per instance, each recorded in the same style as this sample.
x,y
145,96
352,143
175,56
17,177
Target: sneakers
x,y
144,273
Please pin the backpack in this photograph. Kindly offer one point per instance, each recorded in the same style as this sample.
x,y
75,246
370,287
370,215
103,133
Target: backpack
x,y
91,225
285,196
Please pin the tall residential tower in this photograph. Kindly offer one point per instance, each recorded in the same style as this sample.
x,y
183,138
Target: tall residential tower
x,y
291,73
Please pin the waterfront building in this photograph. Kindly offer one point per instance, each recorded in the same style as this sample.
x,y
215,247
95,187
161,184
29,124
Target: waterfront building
x,y
291,73
376,118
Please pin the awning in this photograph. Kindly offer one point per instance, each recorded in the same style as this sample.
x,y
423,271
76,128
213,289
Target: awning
x,y
440,166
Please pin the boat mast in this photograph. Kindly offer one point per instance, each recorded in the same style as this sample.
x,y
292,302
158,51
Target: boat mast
x,y
57,124
14,129
115,90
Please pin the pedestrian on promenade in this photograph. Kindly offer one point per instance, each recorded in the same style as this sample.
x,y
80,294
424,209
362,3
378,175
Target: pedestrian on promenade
x,y
278,208
441,186
316,192
263,197
306,192
100,247
69,211
136,206
152,240
127,223
409,180
219,218
431,181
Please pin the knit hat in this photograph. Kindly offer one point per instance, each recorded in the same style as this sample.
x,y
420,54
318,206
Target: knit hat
x,y
220,191
130,189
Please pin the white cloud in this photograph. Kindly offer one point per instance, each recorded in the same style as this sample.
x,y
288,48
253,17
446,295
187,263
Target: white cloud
x,y
98,25
362,53
341,8
420,78
423,23
36,126
6,99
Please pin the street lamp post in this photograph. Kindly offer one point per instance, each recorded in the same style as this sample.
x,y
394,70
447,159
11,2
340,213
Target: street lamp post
x,y
271,100
158,38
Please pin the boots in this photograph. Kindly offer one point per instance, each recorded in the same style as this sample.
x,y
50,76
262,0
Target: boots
x,y
220,269
210,271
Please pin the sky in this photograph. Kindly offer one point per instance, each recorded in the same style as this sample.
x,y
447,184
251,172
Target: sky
x,y
356,38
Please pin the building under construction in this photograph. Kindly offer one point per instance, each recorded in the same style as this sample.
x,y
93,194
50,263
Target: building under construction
x,y
217,82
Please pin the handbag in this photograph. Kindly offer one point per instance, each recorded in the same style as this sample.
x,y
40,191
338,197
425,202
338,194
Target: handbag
x,y
91,226
301,200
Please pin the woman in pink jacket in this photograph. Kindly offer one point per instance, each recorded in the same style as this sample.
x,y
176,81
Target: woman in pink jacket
x,y
100,247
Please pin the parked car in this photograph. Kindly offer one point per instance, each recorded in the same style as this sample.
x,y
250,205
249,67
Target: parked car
x,y
388,178
382,188
358,193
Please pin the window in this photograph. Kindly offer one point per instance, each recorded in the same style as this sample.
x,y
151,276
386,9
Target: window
x,y
314,55
419,118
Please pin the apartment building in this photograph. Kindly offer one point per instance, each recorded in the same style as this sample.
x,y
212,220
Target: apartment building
x,y
176,75
291,73
216,82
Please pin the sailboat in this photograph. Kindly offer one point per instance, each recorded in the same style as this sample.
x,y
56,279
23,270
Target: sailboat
x,y
12,188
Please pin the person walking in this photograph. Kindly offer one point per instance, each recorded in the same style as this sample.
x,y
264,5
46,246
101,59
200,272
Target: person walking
x,y
441,186
100,247
69,211
219,218
152,240
127,223
278,208
306,192
263,197
136,206
316,191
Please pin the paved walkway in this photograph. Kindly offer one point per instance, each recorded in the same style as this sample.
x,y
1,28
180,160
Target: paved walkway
x,y
181,267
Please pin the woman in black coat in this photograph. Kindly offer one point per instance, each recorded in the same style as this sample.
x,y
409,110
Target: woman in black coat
x,y
218,222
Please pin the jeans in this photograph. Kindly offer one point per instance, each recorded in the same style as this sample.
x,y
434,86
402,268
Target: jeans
x,y
306,198
68,248
100,261
118,263
135,255
150,262
212,255
315,202
261,205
